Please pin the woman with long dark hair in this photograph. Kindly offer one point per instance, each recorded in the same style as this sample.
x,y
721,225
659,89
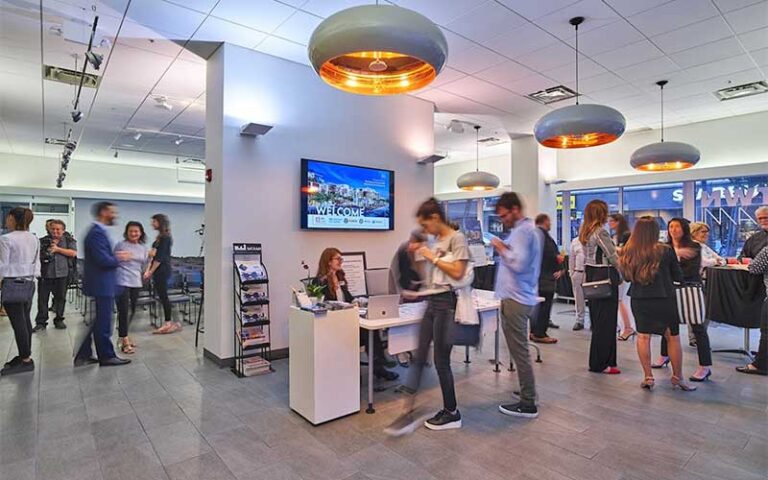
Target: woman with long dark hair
x,y
160,270
651,268
689,255
618,224
19,261
129,281
332,276
601,260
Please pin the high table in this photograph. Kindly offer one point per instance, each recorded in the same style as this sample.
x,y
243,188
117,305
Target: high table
x,y
735,297
404,331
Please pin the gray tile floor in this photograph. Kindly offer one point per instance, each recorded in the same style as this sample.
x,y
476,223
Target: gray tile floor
x,y
172,415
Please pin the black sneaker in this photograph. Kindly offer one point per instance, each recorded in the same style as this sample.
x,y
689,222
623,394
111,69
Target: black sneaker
x,y
444,420
60,324
407,423
20,367
553,324
519,410
39,328
578,326
13,362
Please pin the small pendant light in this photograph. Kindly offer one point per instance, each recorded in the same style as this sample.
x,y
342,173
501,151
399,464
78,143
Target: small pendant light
x,y
377,50
579,126
478,181
664,156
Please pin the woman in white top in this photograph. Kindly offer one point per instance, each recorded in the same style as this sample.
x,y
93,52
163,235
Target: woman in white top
x,y
20,260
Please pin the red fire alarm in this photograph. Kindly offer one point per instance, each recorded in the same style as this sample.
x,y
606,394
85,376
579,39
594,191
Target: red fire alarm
x,y
208,175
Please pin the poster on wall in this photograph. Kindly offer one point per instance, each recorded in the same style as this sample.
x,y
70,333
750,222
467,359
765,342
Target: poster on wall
x,y
473,231
354,269
346,197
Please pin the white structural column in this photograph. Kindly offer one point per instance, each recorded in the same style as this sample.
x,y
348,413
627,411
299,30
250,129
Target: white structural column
x,y
254,195
532,167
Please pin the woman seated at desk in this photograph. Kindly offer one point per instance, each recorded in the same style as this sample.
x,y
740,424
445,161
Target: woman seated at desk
x,y
330,274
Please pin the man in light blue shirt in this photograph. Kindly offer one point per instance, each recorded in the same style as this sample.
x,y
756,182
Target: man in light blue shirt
x,y
517,286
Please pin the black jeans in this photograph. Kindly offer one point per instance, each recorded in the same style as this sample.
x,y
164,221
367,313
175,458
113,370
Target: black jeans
x,y
437,327
761,362
543,313
603,314
126,308
46,287
160,279
21,322
702,345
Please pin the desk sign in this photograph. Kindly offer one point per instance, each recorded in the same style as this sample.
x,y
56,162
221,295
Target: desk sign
x,y
354,269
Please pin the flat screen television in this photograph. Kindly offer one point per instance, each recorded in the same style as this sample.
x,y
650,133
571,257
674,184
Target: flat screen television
x,y
335,196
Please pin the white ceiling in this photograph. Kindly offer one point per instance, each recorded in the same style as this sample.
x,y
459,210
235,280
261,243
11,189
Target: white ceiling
x,y
499,51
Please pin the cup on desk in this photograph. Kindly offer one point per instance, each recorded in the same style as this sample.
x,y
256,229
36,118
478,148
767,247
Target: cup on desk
x,y
746,261
732,260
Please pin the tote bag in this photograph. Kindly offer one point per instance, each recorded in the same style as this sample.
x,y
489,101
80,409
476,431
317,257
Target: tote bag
x,y
690,304
18,290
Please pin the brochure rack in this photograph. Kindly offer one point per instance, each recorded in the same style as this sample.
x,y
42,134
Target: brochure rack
x,y
252,349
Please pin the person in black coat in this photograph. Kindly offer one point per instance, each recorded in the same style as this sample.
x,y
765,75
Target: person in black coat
x,y
651,268
332,277
551,271
758,240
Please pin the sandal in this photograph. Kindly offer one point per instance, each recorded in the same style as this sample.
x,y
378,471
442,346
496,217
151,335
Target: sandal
x,y
681,384
623,338
648,383
125,346
750,369
165,328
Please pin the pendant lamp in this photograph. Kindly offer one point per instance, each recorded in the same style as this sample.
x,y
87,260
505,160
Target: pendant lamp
x,y
579,126
664,156
377,50
478,181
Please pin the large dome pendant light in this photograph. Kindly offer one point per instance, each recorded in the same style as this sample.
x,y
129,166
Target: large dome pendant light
x,y
664,156
478,181
579,126
377,50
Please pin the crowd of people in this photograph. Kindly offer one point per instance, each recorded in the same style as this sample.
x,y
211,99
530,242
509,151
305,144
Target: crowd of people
x,y
112,276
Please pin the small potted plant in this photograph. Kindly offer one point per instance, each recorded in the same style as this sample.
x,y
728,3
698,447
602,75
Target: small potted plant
x,y
315,292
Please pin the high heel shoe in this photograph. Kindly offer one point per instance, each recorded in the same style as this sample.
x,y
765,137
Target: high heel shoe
x,y
706,376
678,383
648,383
623,338
662,364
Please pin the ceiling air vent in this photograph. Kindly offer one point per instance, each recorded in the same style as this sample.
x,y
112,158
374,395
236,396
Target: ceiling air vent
x,y
741,91
490,141
55,141
70,77
552,95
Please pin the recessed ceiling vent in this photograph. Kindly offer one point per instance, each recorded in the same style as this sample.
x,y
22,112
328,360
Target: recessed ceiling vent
x,y
741,91
70,77
552,95
491,141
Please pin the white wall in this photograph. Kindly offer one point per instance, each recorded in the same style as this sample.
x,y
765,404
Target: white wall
x,y
254,195
185,219
23,173
736,145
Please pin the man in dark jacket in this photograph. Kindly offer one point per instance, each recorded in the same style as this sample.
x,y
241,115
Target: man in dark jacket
x,y
551,271
56,253
758,240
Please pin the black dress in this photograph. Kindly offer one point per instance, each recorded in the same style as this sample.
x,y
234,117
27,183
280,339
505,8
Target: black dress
x,y
654,305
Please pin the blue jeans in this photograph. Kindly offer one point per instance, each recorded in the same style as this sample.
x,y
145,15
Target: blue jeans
x,y
101,331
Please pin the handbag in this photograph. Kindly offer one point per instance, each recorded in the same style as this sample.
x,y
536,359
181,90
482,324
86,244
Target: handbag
x,y
464,335
18,290
690,304
598,290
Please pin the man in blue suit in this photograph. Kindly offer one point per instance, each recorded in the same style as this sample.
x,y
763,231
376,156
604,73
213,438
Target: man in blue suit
x,y
99,282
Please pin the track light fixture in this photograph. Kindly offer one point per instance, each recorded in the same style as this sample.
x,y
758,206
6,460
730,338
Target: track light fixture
x,y
178,141
77,115
94,59
115,154
137,136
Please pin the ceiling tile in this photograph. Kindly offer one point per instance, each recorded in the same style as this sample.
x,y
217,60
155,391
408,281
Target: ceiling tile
x,y
725,48
597,83
504,73
748,18
446,75
567,73
615,93
548,58
298,28
440,11
536,8
596,14
263,15
485,22
448,102
755,40
530,84
183,79
650,71
760,56
721,67
218,30
284,49
326,8
604,39
521,40
672,15
628,55
166,17
473,59
631,7
693,35
728,5
203,6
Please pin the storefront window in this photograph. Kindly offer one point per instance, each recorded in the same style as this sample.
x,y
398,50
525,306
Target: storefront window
x,y
662,202
580,199
728,206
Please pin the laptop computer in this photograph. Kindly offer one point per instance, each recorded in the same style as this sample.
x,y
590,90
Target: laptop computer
x,y
383,306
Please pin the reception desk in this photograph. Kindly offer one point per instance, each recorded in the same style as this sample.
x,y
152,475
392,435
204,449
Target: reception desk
x,y
324,364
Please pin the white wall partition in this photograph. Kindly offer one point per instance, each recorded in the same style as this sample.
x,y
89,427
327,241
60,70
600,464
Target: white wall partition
x,y
254,195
